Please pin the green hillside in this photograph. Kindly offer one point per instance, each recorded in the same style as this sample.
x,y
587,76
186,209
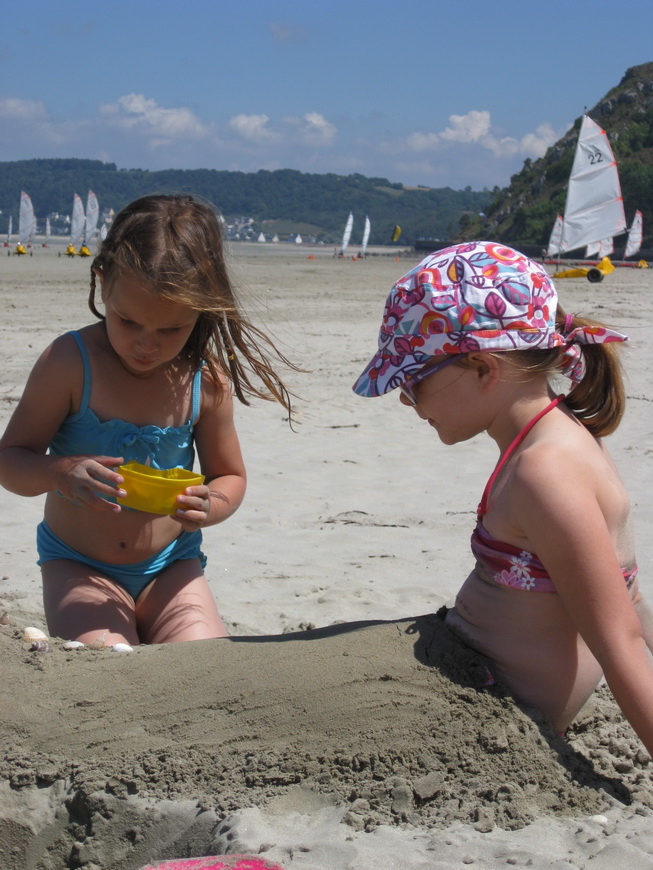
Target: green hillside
x,y
282,202
524,212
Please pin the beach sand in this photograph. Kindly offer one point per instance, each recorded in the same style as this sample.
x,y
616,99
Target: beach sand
x,y
341,727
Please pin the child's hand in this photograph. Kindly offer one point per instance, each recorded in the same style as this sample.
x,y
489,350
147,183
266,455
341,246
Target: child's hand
x,y
194,507
85,479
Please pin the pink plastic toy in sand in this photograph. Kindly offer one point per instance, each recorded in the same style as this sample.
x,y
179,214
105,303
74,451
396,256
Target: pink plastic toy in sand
x,y
216,862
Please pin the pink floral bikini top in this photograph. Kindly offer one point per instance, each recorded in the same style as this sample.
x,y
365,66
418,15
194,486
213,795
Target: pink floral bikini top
x,y
504,563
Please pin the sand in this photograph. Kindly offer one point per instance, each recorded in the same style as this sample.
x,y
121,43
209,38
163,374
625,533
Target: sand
x,y
341,726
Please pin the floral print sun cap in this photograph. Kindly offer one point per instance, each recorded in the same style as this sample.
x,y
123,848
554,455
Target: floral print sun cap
x,y
477,296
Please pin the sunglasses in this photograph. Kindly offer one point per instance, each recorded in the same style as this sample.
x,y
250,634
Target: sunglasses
x,y
428,370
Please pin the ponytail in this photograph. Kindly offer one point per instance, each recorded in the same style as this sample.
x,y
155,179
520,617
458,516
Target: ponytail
x,y
598,400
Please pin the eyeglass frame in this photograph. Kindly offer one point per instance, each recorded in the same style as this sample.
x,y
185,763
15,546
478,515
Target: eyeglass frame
x,y
411,381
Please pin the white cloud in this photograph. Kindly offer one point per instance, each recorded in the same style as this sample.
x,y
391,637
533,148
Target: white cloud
x,y
471,127
536,144
253,128
422,141
22,110
504,147
475,128
317,130
136,112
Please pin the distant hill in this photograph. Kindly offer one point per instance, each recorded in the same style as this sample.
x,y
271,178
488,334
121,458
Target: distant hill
x,y
282,202
524,212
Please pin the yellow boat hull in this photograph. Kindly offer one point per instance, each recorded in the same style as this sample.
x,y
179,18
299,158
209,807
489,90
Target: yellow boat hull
x,y
594,274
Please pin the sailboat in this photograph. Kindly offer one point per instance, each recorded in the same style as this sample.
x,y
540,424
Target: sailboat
x,y
77,226
25,223
594,209
366,238
635,234
90,223
10,230
346,235
556,237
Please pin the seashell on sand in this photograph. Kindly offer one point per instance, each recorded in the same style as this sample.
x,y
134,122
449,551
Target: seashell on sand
x,y
73,644
40,646
98,643
122,647
31,634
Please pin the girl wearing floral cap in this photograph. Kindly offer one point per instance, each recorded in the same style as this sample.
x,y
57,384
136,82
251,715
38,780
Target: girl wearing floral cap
x,y
471,338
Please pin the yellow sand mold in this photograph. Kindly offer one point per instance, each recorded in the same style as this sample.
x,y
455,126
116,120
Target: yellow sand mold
x,y
155,490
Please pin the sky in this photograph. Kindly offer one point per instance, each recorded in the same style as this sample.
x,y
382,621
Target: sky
x,y
440,93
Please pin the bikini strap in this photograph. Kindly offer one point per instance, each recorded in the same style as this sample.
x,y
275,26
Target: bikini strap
x,y
86,394
197,395
482,508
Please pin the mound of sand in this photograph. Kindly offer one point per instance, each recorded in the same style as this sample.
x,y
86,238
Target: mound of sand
x,y
112,759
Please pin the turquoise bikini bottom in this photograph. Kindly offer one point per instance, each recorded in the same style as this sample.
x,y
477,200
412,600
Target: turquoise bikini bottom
x,y
133,577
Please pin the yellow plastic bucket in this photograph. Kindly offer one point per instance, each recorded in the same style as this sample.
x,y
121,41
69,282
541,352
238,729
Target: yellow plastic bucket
x,y
155,490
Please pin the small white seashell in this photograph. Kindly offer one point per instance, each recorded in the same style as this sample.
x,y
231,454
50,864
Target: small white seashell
x,y
73,644
31,634
599,819
122,647
40,646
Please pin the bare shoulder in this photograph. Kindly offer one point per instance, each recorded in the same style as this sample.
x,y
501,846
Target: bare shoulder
x,y
60,358
52,392
569,468
216,392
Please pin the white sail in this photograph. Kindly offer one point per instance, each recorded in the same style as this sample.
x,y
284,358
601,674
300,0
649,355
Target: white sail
x,y
25,220
92,215
592,250
347,234
78,222
594,208
635,234
366,237
555,238
298,239
261,237
48,228
10,230
602,248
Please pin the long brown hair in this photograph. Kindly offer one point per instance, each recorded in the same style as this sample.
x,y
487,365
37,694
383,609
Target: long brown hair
x,y
174,244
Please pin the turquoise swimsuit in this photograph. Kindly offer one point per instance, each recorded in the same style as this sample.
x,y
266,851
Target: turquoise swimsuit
x,y
83,434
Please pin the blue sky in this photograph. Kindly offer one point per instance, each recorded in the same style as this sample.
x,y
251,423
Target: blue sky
x,y
416,91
